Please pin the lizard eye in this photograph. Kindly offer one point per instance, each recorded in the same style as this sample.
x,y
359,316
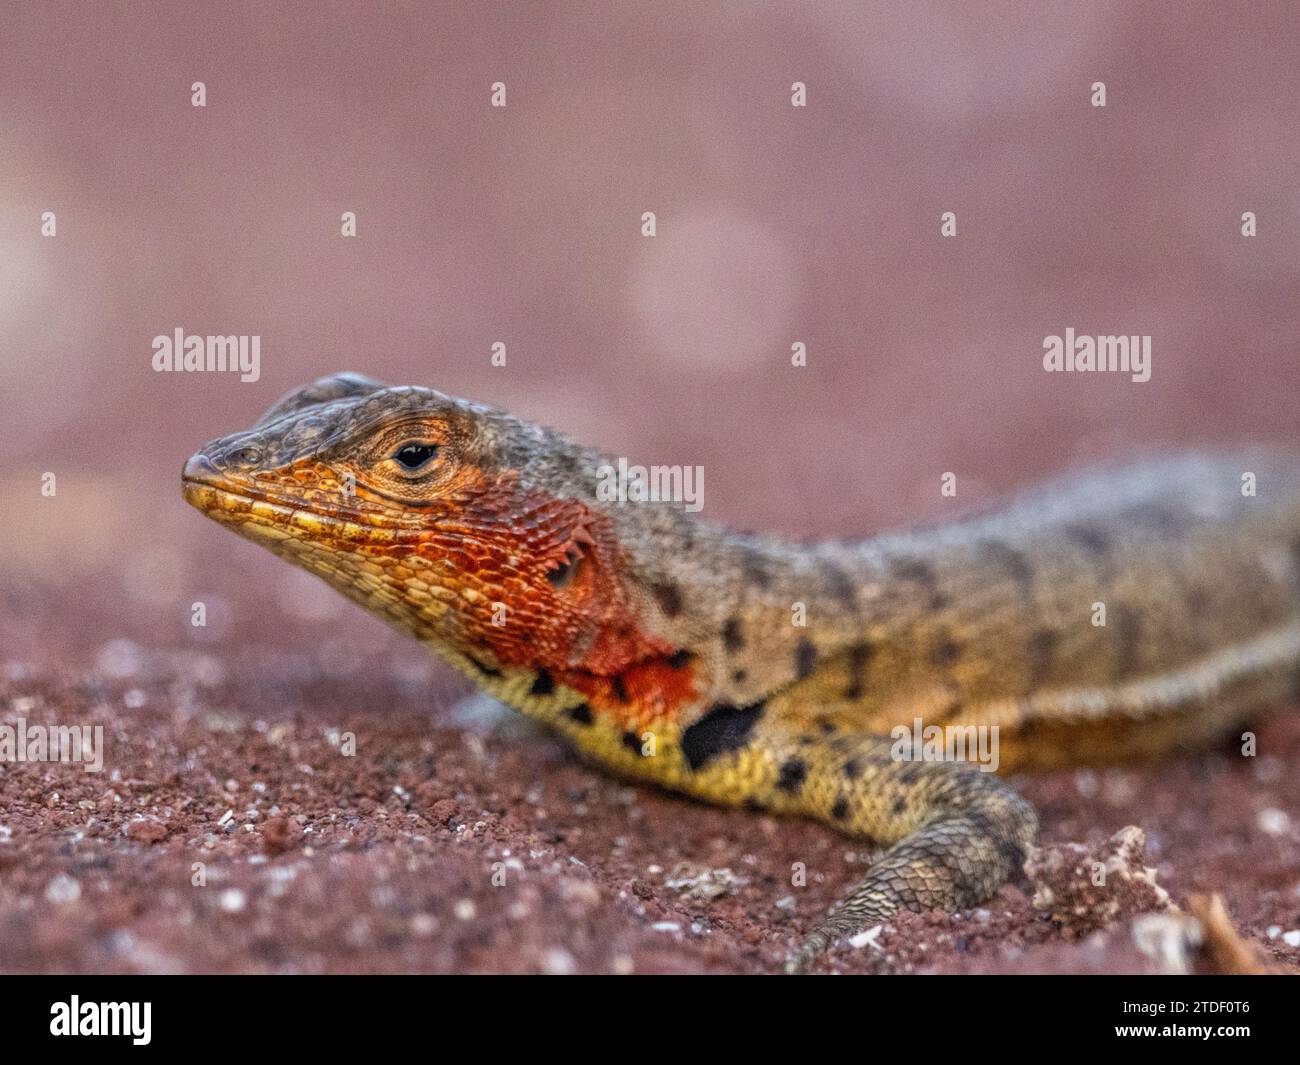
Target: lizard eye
x,y
415,455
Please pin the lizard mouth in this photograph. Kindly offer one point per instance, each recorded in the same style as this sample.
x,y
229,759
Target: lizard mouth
x,y
265,515
207,489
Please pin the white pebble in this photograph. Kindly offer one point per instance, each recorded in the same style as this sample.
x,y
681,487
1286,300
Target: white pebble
x,y
867,938
233,900
120,659
558,962
1273,821
63,889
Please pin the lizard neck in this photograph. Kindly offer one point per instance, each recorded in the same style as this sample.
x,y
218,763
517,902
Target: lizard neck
x,y
758,614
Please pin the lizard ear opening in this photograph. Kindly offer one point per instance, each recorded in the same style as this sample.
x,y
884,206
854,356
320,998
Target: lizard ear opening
x,y
566,569
324,390
567,557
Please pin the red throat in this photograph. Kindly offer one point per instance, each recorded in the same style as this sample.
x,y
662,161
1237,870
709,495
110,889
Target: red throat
x,y
549,574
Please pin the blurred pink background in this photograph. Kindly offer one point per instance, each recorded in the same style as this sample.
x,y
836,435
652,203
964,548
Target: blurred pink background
x,y
522,225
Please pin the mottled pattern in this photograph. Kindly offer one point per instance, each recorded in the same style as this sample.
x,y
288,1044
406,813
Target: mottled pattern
x,y
671,651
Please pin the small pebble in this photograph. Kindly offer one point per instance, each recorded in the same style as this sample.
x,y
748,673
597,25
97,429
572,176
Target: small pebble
x,y
558,962
146,831
64,889
1273,821
868,938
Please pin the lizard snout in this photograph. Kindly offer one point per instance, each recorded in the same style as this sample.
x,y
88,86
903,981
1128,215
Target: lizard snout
x,y
199,469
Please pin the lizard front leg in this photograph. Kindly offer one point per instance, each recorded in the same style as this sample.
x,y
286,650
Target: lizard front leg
x,y
954,834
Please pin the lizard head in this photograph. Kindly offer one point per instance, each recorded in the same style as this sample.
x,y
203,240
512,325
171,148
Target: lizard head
x,y
475,531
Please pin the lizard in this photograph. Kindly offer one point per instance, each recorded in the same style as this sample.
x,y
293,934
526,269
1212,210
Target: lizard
x,y
749,670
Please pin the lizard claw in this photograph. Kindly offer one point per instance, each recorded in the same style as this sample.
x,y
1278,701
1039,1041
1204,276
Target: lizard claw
x,y
816,943
799,961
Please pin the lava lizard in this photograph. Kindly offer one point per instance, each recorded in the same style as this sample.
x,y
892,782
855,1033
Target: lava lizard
x,y
669,650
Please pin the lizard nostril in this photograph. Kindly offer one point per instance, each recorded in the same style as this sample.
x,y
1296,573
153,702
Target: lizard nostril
x,y
199,468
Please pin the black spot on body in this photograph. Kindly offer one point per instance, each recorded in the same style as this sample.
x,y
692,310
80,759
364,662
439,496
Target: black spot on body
x,y
632,742
852,769
1011,560
841,809
680,659
793,774
722,729
921,573
754,567
1165,520
619,687
859,656
946,652
914,569
805,658
739,677
732,638
841,586
1042,653
580,713
486,670
1089,537
900,806
543,683
1127,622
669,598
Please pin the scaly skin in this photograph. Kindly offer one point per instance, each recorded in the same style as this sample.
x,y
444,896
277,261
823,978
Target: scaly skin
x,y
666,648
